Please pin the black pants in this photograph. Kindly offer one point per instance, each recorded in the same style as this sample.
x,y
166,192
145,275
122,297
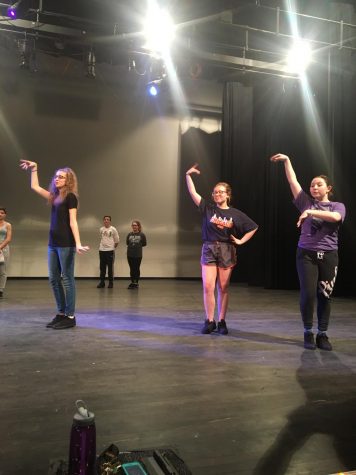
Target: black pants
x,y
317,274
107,259
134,263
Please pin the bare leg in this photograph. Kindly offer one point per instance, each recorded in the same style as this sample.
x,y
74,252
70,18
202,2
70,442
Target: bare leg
x,y
223,291
209,274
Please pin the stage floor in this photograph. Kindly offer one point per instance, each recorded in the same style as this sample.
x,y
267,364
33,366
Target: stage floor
x,y
252,402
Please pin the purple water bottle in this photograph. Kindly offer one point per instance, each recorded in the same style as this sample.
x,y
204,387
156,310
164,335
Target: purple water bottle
x,y
82,450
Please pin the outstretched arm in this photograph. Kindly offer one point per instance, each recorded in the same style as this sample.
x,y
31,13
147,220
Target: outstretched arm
x,y
190,184
290,173
35,186
329,216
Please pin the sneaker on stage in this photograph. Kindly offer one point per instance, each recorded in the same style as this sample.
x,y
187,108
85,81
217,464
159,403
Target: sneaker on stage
x,y
55,320
209,326
65,322
222,328
100,285
309,342
323,343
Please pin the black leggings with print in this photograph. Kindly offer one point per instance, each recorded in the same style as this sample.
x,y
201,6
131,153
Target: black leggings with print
x,y
317,274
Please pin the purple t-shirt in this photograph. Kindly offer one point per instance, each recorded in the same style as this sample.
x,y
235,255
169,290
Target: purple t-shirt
x,y
317,234
219,224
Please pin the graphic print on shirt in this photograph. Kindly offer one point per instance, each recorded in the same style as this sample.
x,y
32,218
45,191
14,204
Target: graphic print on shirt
x,y
222,223
325,287
134,240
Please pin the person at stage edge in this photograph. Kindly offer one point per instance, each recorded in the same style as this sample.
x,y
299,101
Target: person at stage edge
x,y
109,240
317,252
135,241
223,229
64,239
5,239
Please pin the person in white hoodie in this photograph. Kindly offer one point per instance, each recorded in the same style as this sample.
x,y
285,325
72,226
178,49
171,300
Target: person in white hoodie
x,y
109,240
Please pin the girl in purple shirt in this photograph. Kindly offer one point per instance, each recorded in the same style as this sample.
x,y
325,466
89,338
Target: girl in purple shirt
x,y
317,252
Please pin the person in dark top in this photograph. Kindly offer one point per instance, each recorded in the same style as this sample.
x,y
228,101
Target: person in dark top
x,y
223,229
64,239
135,241
317,252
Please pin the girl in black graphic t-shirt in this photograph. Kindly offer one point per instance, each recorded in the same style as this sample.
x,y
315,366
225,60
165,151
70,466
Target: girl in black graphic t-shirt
x,y
64,240
223,229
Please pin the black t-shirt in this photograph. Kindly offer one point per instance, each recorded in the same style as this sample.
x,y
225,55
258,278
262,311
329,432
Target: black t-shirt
x,y
135,242
60,233
219,224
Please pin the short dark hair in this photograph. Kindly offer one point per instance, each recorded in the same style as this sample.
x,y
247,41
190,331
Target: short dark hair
x,y
3,209
107,216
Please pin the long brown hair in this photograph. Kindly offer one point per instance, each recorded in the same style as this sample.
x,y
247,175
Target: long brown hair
x,y
71,185
138,224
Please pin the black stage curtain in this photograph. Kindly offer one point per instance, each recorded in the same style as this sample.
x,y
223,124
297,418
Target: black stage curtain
x,y
312,124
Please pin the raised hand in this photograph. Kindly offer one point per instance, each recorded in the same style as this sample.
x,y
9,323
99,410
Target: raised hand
x,y
193,169
27,164
279,157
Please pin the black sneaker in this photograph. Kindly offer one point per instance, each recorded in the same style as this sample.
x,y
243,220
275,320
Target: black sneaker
x,y
131,286
322,342
56,319
65,322
222,328
309,343
111,285
100,285
209,326
1,294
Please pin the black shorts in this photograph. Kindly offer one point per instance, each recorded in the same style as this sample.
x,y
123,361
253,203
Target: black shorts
x,y
220,254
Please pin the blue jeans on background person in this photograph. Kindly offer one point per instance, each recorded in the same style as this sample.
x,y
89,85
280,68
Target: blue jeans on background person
x,y
61,277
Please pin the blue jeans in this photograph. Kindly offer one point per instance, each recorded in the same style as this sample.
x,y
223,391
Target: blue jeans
x,y
61,277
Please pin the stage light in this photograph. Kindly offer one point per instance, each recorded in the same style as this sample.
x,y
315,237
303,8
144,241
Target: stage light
x,y
299,57
12,10
153,88
158,28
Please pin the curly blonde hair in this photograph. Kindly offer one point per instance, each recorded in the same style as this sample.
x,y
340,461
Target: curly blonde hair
x,y
71,185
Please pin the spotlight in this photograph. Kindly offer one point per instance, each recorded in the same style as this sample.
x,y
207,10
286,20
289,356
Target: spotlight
x,y
12,10
159,28
91,62
299,57
153,88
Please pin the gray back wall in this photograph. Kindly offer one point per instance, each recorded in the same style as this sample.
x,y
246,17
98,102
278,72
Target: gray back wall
x,y
124,149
